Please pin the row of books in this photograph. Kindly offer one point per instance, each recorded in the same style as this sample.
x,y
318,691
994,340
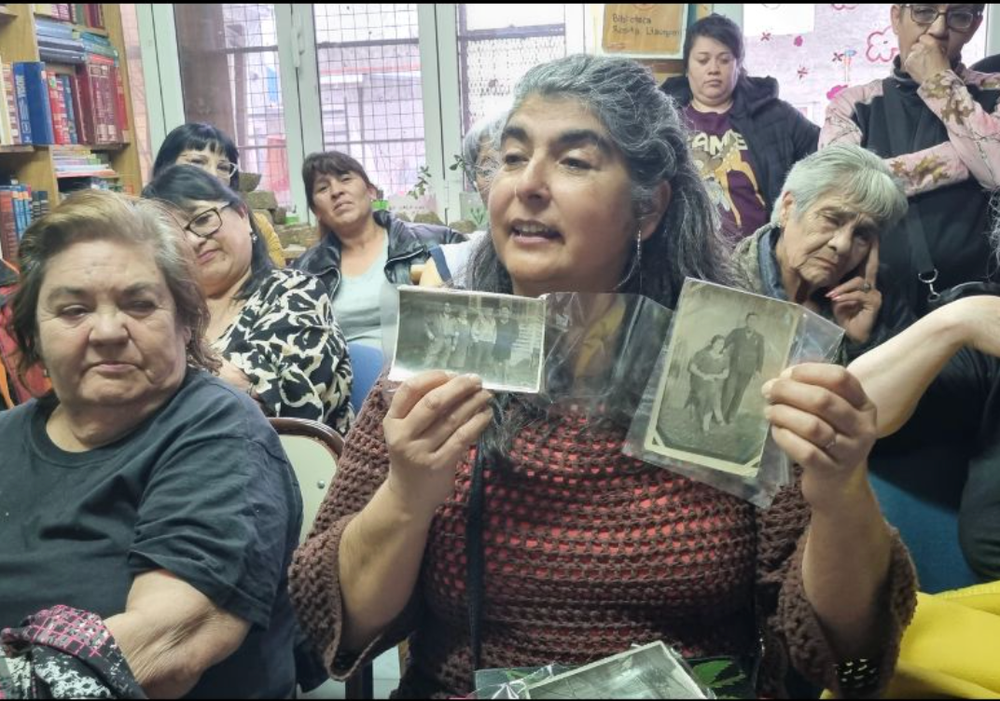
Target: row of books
x,y
19,206
61,106
89,15
80,162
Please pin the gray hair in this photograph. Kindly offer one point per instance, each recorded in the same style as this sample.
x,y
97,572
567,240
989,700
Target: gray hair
x,y
644,125
851,172
485,130
96,215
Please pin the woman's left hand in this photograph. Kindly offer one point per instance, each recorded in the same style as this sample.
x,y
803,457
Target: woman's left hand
x,y
857,302
822,418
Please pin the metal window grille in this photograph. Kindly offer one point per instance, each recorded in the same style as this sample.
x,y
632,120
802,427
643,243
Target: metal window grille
x,y
370,89
492,60
229,68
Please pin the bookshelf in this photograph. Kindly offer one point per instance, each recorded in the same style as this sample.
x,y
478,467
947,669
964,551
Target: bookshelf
x,y
35,165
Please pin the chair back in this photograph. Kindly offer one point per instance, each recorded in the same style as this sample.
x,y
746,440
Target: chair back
x,y
313,450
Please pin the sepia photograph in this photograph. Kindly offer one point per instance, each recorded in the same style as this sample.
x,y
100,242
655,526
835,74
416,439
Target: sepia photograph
x,y
648,672
498,337
724,346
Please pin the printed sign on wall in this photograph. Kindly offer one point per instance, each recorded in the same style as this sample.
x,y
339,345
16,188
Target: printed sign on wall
x,y
645,29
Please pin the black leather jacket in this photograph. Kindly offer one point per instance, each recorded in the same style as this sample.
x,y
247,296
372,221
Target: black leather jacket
x,y
409,244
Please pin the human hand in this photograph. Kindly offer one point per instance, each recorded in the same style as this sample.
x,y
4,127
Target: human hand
x,y
927,58
433,420
857,302
822,418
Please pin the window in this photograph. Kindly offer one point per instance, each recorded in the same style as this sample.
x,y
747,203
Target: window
x,y
370,89
497,44
137,85
229,69
816,50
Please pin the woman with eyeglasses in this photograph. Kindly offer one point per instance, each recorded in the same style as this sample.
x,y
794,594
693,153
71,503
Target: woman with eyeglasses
x,y
274,329
212,150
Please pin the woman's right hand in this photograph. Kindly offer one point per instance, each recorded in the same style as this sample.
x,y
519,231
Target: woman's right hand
x,y
433,420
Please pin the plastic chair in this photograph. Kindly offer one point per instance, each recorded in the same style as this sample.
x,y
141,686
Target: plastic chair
x,y
313,450
367,365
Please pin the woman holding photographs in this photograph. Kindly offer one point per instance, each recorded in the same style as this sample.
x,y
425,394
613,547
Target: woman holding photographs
x,y
546,543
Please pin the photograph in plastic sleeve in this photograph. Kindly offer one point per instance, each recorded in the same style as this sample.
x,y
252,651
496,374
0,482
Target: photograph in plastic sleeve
x,y
648,672
724,346
498,337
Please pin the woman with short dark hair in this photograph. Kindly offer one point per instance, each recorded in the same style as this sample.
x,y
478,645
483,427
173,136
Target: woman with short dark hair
x,y
361,252
211,149
743,137
274,329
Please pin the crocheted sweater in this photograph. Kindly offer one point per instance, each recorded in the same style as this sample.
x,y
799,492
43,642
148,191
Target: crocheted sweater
x,y
588,552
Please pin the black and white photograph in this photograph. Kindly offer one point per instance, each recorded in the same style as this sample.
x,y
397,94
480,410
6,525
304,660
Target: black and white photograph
x,y
724,346
648,672
498,337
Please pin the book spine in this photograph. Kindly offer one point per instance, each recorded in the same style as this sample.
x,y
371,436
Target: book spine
x,y
23,115
11,106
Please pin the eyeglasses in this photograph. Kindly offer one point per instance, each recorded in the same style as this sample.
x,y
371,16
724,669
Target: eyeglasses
x,y
959,19
222,169
206,223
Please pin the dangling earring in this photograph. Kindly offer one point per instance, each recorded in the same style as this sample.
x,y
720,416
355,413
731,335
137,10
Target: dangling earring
x,y
253,236
638,256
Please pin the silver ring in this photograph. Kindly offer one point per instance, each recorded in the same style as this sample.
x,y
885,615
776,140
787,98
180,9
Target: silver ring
x,y
867,287
831,445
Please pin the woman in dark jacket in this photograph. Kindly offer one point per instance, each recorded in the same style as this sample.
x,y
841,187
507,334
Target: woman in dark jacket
x,y
361,251
744,139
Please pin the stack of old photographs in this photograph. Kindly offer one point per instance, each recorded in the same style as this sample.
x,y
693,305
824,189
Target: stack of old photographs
x,y
702,415
649,672
686,384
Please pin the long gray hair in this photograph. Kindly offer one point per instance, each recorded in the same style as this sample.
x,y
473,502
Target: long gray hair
x,y
646,128
644,125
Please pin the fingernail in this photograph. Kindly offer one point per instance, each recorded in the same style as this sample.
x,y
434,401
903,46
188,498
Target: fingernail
x,y
766,389
476,379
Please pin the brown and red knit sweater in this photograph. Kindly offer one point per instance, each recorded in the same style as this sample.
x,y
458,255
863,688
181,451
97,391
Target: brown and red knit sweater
x,y
587,552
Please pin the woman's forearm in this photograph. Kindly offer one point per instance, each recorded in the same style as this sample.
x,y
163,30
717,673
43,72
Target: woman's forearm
x,y
844,571
897,374
380,556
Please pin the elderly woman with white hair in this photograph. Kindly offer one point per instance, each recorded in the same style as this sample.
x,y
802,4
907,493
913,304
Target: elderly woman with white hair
x,y
821,248
480,159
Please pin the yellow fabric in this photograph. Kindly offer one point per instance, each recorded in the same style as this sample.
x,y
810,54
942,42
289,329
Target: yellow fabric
x,y
274,248
952,648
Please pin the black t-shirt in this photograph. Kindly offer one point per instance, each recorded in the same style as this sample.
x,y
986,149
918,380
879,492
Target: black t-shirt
x,y
949,453
201,489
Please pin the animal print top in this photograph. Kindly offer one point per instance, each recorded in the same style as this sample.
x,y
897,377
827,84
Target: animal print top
x,y
288,343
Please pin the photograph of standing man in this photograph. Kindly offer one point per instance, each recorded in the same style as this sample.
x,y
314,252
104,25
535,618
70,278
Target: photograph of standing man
x,y
507,334
442,328
745,347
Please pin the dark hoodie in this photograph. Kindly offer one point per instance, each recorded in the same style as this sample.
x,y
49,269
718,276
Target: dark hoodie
x,y
777,134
